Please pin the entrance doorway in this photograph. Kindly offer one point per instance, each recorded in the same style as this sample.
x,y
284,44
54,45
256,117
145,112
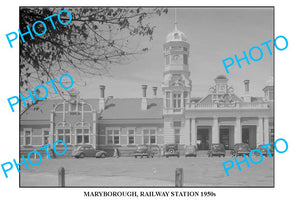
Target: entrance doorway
x,y
202,138
224,137
249,135
245,135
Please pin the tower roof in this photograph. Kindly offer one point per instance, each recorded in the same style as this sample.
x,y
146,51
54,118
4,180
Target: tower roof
x,y
176,35
221,77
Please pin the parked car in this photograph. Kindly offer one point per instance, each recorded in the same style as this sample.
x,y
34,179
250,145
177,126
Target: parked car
x,y
240,149
264,150
216,149
87,150
171,150
142,151
190,151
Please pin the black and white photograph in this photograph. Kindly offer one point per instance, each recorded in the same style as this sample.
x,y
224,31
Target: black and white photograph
x,y
147,96
149,106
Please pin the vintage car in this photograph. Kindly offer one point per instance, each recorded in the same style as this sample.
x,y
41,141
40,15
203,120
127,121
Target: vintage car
x,y
171,150
264,150
190,151
87,150
142,151
240,149
216,150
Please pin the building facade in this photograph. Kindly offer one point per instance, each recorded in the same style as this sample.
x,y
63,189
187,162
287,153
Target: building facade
x,y
219,117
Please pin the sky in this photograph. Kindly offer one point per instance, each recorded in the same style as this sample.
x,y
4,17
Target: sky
x,y
214,34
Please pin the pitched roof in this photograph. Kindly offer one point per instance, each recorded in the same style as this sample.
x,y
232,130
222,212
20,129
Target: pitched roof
x,y
41,110
130,108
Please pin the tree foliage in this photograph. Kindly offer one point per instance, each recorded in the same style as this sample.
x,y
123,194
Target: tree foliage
x,y
94,39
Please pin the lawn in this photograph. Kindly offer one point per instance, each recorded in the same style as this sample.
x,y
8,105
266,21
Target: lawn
x,y
152,172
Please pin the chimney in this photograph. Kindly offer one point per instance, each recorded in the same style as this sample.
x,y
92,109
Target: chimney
x,y
144,97
247,97
102,98
154,91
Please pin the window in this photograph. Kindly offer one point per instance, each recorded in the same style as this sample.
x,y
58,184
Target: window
x,y
271,95
73,106
222,88
82,136
176,36
45,137
87,108
113,136
66,107
176,100
76,106
185,49
168,59
168,96
149,136
185,98
82,133
185,59
131,136
59,108
271,134
28,134
177,124
63,132
64,135
177,135
79,107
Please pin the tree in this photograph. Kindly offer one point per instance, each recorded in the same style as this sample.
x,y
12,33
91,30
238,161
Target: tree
x,y
94,39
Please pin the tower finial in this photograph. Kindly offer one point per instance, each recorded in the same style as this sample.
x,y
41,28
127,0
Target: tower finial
x,y
175,19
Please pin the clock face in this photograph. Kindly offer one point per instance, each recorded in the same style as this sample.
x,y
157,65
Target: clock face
x,y
176,59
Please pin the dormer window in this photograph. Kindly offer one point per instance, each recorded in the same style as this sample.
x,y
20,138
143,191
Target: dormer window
x,y
269,93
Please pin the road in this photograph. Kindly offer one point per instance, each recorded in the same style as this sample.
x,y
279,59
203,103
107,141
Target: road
x,y
152,172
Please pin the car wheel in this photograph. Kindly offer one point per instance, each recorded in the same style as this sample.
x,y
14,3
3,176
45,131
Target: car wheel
x,y
82,155
102,155
135,156
147,156
151,156
141,156
167,156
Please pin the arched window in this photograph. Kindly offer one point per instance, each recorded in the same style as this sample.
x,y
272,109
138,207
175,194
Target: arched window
x,y
82,131
87,107
59,108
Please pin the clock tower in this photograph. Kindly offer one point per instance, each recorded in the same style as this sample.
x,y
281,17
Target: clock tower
x,y
176,87
177,84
